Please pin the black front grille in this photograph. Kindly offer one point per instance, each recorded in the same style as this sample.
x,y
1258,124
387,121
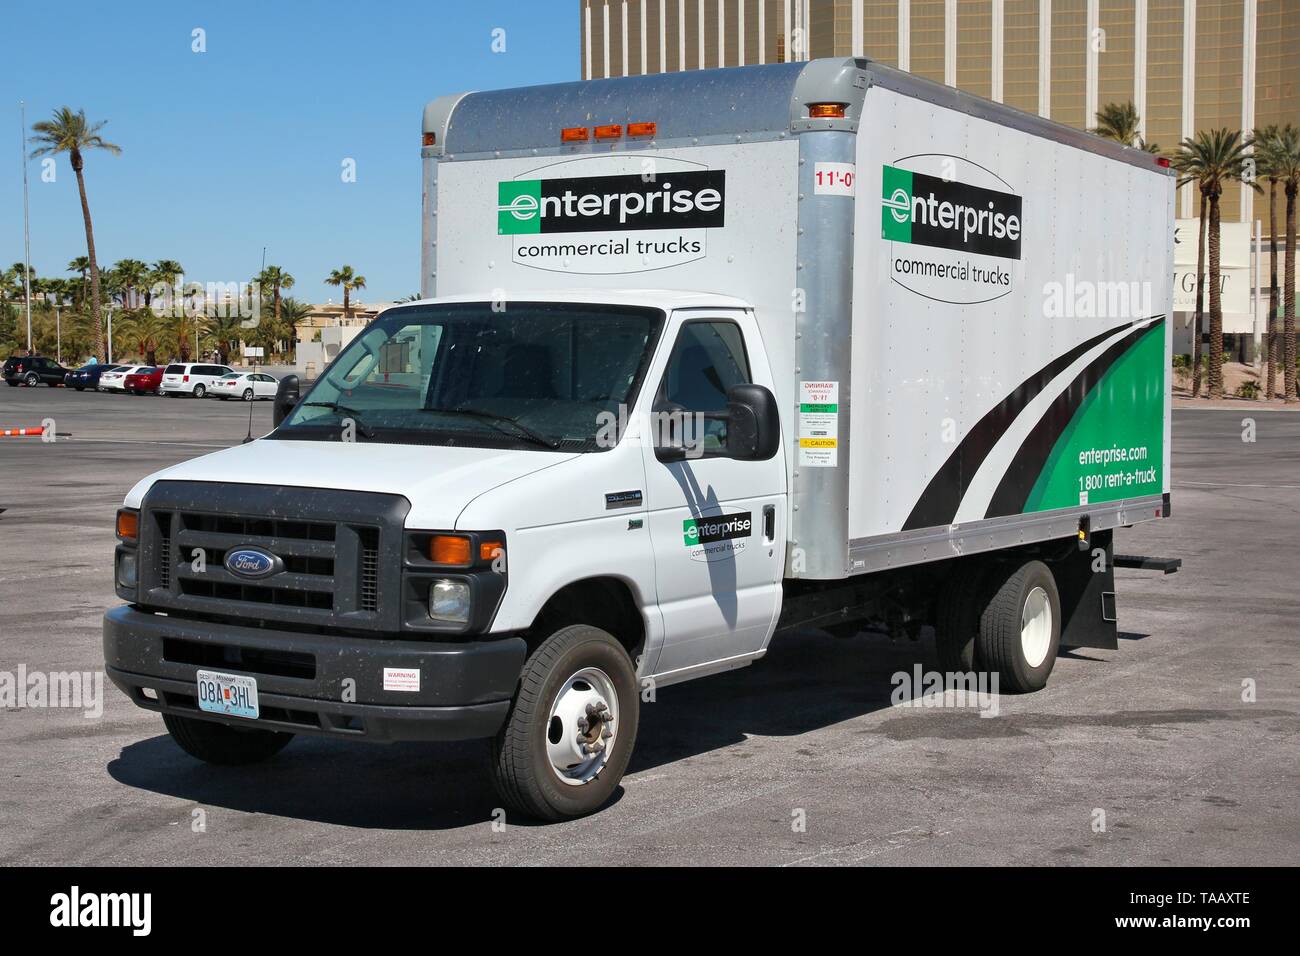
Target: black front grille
x,y
369,569
340,553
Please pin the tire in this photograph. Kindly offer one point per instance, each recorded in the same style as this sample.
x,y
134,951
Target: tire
x,y
32,380
248,395
200,391
1015,642
11,384
220,744
524,773
957,618
80,388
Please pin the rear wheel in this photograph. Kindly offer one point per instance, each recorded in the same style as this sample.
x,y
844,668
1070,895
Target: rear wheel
x,y
80,388
248,395
571,728
199,391
32,380
957,618
220,744
1020,627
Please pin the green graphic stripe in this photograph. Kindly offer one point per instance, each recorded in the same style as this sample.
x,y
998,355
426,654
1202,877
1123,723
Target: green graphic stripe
x,y
1124,411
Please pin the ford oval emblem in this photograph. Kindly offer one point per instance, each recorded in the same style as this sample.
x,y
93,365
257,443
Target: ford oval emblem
x,y
251,563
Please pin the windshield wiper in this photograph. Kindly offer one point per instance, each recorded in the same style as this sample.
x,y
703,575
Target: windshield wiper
x,y
346,410
532,435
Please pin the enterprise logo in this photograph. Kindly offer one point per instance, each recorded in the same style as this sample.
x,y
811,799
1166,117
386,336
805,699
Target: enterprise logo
x,y
682,200
717,528
930,211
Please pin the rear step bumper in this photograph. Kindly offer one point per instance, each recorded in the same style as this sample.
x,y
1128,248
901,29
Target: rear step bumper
x,y
1143,563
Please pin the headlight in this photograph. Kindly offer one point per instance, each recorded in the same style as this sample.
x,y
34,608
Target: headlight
x,y
126,570
449,601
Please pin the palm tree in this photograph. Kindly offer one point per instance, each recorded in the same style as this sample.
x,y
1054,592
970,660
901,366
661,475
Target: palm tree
x,y
1264,142
276,279
225,329
132,275
1287,166
1121,123
164,272
349,281
1212,158
81,264
69,132
147,330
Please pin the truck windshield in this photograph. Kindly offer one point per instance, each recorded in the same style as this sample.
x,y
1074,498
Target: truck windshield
x,y
526,375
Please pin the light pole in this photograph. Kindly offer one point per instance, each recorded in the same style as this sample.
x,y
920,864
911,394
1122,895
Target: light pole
x,y
110,335
27,242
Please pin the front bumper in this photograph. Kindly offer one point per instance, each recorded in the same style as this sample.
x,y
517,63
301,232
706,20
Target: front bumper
x,y
317,683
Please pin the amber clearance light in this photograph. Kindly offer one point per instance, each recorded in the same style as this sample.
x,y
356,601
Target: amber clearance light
x,y
826,110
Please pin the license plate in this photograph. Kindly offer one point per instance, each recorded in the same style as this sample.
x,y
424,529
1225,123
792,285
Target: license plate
x,y
232,695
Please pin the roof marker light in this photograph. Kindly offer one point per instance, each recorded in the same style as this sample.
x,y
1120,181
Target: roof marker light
x,y
641,129
573,134
826,110
613,131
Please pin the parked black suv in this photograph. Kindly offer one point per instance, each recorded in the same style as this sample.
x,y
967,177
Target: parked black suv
x,y
33,370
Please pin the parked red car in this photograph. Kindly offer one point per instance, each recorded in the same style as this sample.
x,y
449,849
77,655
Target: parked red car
x,y
144,382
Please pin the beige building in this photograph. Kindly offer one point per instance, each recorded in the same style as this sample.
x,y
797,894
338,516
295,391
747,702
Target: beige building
x,y
1186,64
326,330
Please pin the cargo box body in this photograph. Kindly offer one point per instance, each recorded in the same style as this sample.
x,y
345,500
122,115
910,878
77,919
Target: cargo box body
x,y
964,306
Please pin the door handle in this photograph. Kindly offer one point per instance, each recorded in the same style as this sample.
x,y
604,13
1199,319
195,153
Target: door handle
x,y
769,523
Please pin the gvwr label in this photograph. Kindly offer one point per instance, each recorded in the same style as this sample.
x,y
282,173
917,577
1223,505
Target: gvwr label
x,y
683,200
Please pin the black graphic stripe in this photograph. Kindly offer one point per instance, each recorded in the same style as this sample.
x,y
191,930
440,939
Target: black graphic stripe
x,y
1021,476
938,503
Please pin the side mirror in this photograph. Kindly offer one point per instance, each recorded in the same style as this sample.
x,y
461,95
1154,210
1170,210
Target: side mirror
x,y
753,425
286,397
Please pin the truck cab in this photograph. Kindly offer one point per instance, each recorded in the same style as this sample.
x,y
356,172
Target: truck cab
x,y
467,481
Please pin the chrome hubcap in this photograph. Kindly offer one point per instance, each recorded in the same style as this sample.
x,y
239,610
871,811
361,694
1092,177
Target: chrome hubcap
x,y
583,726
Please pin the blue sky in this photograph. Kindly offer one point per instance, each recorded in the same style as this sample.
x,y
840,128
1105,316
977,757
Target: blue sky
x,y
242,146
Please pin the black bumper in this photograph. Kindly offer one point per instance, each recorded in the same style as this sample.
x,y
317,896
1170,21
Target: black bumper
x,y
464,692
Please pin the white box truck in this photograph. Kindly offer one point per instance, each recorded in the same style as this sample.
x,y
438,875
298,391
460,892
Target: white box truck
x,y
704,356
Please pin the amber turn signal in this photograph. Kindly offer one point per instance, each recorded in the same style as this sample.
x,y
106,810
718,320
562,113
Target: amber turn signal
x,y
449,549
128,524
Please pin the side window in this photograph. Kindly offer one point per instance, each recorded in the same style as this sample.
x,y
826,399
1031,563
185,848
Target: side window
x,y
708,358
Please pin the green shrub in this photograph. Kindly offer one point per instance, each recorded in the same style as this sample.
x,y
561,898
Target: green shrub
x,y
1248,389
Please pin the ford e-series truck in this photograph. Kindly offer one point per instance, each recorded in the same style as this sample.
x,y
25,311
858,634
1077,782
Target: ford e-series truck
x,y
702,357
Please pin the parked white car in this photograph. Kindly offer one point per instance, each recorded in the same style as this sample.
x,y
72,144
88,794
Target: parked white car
x,y
244,386
115,380
191,378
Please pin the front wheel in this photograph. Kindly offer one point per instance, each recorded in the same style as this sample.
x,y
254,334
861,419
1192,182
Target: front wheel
x,y
220,744
571,728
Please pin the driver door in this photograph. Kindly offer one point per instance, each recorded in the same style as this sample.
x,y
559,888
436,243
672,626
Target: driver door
x,y
716,524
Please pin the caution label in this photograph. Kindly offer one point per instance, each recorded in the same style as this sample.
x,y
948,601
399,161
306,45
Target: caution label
x,y
819,424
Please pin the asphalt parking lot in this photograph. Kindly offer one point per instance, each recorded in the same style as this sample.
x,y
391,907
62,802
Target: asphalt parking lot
x,y
1157,734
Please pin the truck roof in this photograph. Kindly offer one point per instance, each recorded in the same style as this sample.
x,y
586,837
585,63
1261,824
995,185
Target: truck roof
x,y
733,104
666,299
